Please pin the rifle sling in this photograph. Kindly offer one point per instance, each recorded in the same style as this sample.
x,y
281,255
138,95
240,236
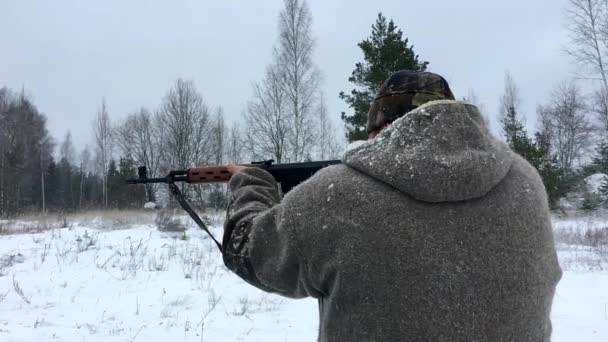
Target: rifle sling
x,y
182,201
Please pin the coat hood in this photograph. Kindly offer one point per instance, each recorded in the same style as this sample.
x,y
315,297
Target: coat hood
x,y
440,152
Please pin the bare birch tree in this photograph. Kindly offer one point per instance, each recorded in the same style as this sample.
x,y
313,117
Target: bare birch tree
x,y
511,119
299,75
66,150
234,145
587,23
102,132
600,107
473,99
267,119
185,134
219,137
588,26
84,168
137,139
328,146
565,120
510,100
184,118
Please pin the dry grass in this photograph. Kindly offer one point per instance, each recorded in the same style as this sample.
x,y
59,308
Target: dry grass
x,y
583,245
166,221
99,219
593,237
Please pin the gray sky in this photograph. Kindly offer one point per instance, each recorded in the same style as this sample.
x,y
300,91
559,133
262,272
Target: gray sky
x,y
70,54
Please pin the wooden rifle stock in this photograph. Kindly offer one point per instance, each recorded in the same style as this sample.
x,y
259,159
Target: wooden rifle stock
x,y
208,174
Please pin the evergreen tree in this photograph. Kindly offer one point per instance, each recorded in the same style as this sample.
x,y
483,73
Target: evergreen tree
x,y
600,161
517,137
120,194
557,182
65,191
131,197
513,127
384,52
113,185
603,190
52,188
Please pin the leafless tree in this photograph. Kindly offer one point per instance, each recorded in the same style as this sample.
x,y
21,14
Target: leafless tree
x,y
4,139
299,75
219,137
511,120
186,132
25,148
234,145
473,99
267,119
587,23
565,120
328,146
84,168
184,118
599,106
137,138
510,100
66,150
104,146
44,156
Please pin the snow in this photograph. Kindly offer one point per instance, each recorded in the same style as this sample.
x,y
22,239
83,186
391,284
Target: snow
x,y
354,145
594,182
150,205
580,308
138,284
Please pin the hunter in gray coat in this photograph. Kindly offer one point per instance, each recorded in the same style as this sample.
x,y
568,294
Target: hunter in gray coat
x,y
432,231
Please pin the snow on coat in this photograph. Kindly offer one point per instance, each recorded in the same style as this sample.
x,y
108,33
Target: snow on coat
x,y
433,231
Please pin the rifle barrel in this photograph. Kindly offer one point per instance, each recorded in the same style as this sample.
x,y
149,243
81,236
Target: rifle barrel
x,y
147,180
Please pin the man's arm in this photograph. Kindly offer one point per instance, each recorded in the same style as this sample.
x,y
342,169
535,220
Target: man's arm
x,y
260,242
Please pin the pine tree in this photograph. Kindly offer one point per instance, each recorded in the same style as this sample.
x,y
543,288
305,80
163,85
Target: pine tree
x,y
384,52
537,152
130,197
52,187
113,185
556,181
516,135
603,190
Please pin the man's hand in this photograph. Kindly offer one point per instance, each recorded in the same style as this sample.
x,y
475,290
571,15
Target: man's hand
x,y
233,168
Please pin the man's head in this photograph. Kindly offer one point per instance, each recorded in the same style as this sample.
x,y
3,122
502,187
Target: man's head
x,y
402,92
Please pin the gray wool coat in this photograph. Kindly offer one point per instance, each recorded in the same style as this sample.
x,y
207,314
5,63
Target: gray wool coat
x,y
433,231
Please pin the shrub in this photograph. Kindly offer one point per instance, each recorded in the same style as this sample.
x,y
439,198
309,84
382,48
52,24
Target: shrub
x,y
166,221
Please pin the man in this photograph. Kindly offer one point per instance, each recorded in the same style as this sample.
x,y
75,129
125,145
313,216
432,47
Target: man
x,y
431,231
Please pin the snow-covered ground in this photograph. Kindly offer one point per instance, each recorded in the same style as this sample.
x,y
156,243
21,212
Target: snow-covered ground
x,y
138,284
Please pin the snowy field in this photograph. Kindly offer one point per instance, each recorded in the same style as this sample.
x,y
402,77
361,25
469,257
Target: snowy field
x,y
90,283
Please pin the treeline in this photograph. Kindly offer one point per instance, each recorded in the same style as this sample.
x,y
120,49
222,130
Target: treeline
x,y
286,120
571,139
34,178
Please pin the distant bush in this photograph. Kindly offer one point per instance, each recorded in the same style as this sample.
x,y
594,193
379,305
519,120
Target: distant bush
x,y
166,221
592,237
591,201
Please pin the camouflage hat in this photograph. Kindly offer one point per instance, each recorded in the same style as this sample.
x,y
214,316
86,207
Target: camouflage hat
x,y
402,92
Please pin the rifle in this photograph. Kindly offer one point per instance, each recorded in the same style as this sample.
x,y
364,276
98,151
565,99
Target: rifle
x,y
287,175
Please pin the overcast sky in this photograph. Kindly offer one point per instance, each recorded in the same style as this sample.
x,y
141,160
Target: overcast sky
x,y
70,54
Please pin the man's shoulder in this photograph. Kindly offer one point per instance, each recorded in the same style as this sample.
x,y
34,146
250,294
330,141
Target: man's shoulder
x,y
523,184
339,175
